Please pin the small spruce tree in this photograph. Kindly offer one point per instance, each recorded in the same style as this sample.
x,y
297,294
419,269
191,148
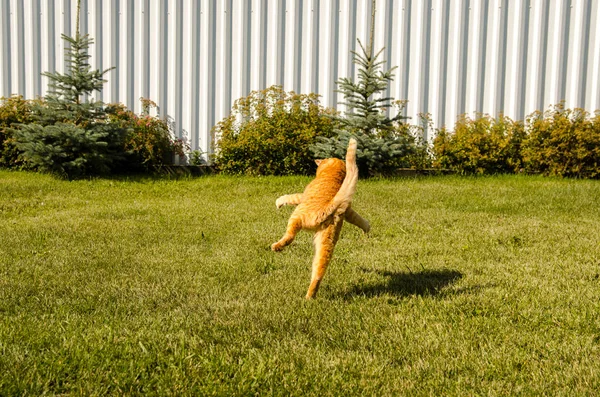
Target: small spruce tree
x,y
382,147
365,113
70,135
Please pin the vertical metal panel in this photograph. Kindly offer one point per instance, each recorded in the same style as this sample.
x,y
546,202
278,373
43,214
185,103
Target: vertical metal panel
x,y
559,33
274,44
195,58
537,55
310,54
17,53
348,10
579,56
240,56
258,46
223,70
439,58
5,33
593,93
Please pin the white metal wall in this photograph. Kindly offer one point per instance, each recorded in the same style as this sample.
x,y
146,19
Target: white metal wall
x,y
195,58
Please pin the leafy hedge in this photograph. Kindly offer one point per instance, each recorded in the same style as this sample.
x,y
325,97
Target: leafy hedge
x,y
563,142
559,141
13,111
484,145
269,132
149,144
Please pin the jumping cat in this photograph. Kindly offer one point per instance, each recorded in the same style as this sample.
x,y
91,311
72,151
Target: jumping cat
x,y
322,208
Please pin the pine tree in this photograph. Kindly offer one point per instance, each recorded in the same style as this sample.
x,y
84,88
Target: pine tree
x,y
70,135
382,147
365,113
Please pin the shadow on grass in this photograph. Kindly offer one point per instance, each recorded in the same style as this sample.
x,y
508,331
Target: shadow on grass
x,y
423,283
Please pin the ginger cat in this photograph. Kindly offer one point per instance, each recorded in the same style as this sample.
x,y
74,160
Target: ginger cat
x,y
322,208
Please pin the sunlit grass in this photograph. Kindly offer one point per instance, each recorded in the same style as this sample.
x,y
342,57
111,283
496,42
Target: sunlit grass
x,y
153,286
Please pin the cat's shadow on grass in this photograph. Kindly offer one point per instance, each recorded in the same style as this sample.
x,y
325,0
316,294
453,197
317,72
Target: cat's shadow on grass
x,y
405,283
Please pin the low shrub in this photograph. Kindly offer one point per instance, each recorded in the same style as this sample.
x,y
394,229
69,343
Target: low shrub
x,y
419,157
140,143
269,132
563,142
149,144
69,147
13,111
70,150
484,145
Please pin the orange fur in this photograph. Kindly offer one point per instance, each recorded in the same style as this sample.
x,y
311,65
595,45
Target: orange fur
x,y
322,208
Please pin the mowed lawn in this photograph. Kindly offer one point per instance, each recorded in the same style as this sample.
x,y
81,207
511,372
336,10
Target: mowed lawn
x,y
465,286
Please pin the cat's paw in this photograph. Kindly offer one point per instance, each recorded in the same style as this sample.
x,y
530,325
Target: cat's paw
x,y
280,202
276,247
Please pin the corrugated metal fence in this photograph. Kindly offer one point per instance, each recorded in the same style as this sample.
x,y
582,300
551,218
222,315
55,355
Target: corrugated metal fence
x,y
194,58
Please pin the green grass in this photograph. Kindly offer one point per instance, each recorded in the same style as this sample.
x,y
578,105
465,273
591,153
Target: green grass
x,y
465,286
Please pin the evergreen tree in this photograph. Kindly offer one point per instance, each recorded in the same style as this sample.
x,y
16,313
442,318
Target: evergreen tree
x,y
70,135
382,147
364,113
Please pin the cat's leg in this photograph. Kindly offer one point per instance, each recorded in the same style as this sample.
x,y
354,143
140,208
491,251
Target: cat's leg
x,y
354,218
293,227
324,240
289,199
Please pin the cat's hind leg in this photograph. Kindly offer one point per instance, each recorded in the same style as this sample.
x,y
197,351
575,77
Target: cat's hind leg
x,y
289,199
293,227
354,218
324,240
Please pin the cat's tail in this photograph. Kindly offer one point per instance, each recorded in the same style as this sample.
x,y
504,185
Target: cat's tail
x,y
343,198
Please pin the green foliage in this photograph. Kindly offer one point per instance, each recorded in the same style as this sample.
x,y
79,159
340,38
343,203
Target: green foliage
x,y
364,112
485,145
68,94
563,142
376,154
383,146
70,135
418,153
13,111
69,150
196,158
269,133
149,143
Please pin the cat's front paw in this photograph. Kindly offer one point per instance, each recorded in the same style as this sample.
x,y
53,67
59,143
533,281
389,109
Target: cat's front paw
x,y
280,202
276,247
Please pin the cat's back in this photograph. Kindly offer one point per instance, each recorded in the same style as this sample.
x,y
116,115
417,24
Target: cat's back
x,y
326,184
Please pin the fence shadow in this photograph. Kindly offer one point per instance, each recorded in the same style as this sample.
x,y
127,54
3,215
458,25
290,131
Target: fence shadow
x,y
423,283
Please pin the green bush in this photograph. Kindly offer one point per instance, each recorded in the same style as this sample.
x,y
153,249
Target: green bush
x,y
269,133
485,145
149,144
419,155
563,142
70,150
13,111
69,141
